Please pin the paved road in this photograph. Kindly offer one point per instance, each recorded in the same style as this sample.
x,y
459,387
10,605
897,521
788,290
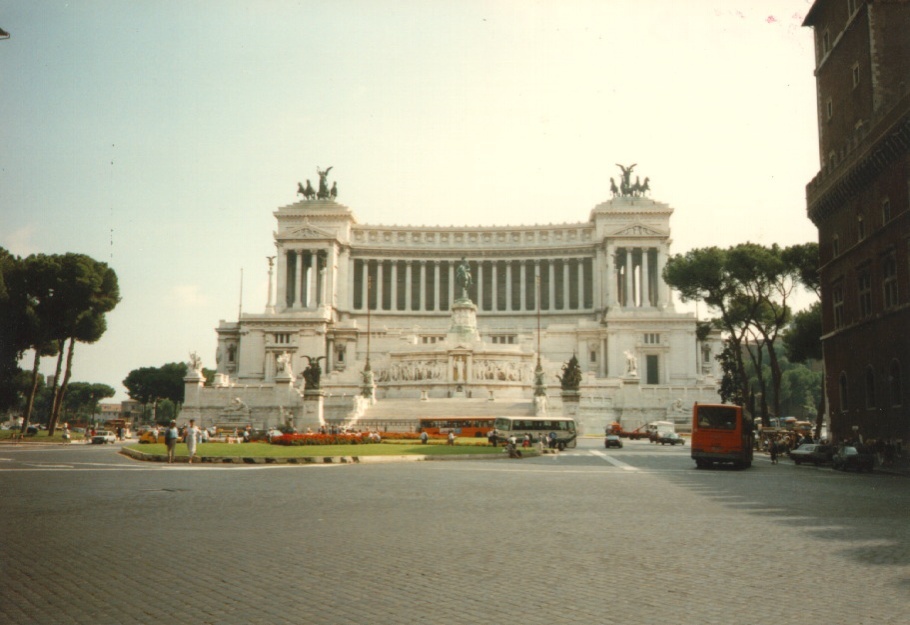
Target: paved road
x,y
627,536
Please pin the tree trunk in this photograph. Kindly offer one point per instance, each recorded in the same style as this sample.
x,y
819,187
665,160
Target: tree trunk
x,y
58,403
31,395
51,416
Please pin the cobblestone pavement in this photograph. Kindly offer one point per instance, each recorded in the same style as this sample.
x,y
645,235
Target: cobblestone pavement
x,y
628,536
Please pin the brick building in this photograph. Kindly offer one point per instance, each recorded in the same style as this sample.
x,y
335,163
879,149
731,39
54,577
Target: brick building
x,y
860,203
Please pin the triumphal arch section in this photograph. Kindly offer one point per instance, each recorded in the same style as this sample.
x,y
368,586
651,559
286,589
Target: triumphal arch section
x,y
395,322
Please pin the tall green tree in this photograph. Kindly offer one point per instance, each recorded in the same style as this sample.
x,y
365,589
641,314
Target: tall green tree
x,y
82,398
750,286
86,290
149,385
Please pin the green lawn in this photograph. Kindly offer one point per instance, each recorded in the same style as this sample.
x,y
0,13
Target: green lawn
x,y
264,450
40,437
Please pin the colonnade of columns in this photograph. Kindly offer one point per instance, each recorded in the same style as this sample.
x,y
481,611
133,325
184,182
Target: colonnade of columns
x,y
634,277
305,277
506,285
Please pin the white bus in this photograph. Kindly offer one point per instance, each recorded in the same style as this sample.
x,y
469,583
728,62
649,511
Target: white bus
x,y
560,430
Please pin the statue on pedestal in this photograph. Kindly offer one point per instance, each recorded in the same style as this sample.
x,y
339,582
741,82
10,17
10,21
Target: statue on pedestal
x,y
194,365
463,277
284,364
631,362
313,371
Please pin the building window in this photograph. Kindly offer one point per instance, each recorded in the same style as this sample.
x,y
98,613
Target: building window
x,y
593,356
835,246
283,338
503,339
855,71
860,228
829,113
864,287
870,387
886,210
652,369
894,382
837,296
652,338
889,280
842,391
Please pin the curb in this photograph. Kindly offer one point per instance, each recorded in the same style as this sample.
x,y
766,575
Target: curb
x,y
310,460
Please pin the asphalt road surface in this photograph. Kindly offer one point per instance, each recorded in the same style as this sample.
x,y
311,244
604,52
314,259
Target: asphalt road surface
x,y
632,535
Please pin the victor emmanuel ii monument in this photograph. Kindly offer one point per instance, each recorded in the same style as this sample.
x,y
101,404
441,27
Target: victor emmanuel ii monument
x,y
383,324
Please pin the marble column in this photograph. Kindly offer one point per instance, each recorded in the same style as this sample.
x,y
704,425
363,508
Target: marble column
x,y
523,281
508,285
581,283
365,284
394,285
645,277
566,282
408,285
436,289
629,295
479,301
551,291
494,288
298,281
379,291
422,283
313,281
281,285
452,283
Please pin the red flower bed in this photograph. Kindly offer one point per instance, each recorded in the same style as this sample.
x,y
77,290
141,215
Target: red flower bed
x,y
321,439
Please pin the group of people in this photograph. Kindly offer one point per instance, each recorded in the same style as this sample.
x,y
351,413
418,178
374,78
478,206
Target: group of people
x,y
191,435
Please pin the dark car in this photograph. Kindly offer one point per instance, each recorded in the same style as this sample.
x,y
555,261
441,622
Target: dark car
x,y
804,453
670,438
823,454
612,440
848,458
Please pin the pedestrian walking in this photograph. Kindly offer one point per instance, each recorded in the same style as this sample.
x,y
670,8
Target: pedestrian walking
x,y
191,437
423,438
451,438
773,450
171,434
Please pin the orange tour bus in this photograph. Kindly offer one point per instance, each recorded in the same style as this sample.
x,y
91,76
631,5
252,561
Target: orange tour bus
x,y
477,427
721,433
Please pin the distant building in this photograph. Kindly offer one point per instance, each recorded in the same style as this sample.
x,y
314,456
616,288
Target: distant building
x,y
860,202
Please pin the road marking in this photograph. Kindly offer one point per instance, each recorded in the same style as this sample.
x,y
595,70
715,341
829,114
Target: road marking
x,y
30,467
616,463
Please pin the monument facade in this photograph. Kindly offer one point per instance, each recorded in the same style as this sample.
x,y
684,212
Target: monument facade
x,y
467,313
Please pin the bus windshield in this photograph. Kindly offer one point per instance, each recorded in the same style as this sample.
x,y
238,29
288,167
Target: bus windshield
x,y
717,417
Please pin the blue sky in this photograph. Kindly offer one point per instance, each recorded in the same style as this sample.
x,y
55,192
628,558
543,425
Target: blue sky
x,y
159,136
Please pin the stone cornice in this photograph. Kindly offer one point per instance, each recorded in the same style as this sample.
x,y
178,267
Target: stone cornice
x,y
828,191
481,254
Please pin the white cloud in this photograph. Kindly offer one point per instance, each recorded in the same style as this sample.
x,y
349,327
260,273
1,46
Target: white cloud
x,y
189,296
19,242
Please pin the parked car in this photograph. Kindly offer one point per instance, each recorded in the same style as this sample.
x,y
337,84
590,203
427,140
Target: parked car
x,y
103,436
612,440
670,438
848,457
151,437
803,453
823,454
